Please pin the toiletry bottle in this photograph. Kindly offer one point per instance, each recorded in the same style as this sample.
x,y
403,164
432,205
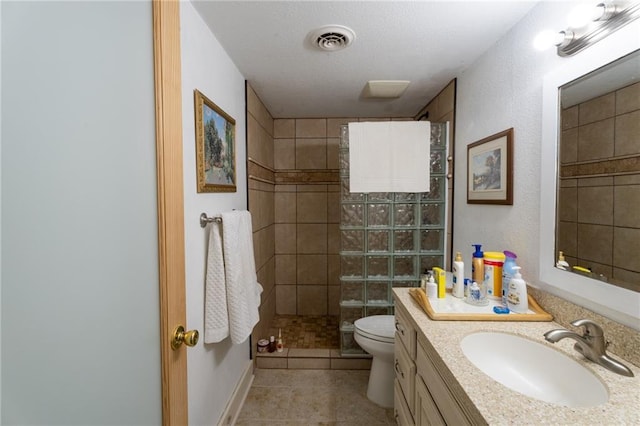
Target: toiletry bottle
x,y
279,343
432,288
493,262
507,273
423,280
517,297
561,263
441,281
476,297
477,265
272,343
458,277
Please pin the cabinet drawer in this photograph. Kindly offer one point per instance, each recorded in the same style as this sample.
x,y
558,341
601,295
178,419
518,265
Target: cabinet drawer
x,y
405,332
400,410
405,373
446,403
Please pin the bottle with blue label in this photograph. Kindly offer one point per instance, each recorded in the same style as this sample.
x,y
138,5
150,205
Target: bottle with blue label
x,y
507,273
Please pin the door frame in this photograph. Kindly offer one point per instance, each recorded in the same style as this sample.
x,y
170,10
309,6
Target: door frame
x,y
171,250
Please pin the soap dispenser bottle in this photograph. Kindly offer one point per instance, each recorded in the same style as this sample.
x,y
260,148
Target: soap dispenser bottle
x,y
517,297
431,288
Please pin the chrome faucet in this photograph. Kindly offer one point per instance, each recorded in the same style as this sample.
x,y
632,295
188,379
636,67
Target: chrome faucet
x,y
591,344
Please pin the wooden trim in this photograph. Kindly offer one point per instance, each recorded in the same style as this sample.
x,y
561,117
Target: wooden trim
x,y
168,99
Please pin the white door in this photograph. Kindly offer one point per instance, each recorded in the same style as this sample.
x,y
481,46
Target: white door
x,y
80,302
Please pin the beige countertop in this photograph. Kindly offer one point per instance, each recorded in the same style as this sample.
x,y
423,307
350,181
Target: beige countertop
x,y
501,405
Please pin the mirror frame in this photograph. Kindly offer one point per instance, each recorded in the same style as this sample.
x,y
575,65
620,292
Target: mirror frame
x,y
616,303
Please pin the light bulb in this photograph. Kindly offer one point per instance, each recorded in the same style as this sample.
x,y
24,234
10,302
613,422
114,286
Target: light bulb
x,y
585,14
548,38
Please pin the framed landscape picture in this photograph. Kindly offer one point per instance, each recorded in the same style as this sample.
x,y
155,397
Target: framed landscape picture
x,y
490,169
215,147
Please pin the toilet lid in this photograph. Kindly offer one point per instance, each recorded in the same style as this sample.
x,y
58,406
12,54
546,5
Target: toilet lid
x,y
377,327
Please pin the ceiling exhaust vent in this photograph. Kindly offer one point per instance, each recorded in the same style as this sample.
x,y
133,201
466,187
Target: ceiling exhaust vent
x,y
332,37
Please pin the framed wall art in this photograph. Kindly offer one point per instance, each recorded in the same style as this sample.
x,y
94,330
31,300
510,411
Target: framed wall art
x,y
490,169
215,147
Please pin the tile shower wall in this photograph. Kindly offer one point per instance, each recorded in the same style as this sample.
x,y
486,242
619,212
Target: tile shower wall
x,y
307,215
387,239
261,205
600,185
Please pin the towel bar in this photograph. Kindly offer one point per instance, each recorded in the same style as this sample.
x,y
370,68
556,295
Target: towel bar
x,y
204,219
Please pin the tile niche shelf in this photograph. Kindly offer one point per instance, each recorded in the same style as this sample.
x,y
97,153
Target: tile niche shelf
x,y
387,239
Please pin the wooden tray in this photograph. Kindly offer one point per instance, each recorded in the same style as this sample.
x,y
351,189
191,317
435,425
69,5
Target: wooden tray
x,y
452,309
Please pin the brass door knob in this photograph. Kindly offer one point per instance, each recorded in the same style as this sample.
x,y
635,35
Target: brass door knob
x,y
189,338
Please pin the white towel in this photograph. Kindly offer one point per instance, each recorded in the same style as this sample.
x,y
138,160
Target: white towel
x,y
216,318
389,156
243,289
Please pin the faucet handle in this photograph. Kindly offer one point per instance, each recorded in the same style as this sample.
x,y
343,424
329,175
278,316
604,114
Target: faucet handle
x,y
590,328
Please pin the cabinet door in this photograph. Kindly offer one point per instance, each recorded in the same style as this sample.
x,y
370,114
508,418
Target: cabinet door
x,y
405,373
405,332
447,405
426,411
400,410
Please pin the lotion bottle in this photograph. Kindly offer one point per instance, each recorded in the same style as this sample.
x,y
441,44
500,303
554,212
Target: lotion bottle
x,y
561,263
458,277
517,297
477,265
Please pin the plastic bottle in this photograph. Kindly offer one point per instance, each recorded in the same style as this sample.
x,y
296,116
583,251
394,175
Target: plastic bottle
x,y
477,265
493,262
272,343
457,290
476,297
279,343
432,288
561,263
517,297
507,273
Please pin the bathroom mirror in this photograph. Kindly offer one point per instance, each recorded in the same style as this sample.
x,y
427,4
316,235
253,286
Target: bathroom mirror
x,y
561,88
598,194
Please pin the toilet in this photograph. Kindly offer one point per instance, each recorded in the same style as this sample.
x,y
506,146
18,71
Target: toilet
x,y
375,334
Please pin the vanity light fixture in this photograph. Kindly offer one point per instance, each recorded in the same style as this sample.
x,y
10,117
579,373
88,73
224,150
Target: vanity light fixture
x,y
588,25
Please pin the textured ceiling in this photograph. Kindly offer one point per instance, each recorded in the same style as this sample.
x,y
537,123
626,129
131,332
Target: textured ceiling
x,y
426,42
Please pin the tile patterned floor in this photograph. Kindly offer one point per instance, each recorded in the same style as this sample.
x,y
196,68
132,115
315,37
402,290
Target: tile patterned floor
x,y
307,332
311,397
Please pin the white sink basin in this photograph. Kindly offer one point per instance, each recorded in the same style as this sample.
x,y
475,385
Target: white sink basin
x,y
534,369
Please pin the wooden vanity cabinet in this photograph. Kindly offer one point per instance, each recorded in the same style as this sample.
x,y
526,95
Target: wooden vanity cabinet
x,y
426,392
404,364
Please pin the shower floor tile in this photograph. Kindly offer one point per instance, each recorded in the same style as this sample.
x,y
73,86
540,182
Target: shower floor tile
x,y
307,332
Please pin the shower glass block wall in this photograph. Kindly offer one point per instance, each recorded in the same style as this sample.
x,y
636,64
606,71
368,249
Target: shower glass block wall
x,y
387,239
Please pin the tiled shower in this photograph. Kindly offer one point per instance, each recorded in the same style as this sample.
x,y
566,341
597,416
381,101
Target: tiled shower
x,y
387,239
294,190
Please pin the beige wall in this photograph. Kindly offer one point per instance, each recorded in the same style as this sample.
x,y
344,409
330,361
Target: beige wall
x,y
599,224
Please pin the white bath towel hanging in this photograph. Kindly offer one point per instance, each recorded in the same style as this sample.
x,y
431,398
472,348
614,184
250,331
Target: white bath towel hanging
x,y
389,156
216,319
243,289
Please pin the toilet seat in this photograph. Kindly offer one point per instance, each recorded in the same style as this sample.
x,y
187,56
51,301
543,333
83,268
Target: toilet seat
x,y
380,328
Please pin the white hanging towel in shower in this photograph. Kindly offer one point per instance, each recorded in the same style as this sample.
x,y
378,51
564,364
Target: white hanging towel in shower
x,y
243,289
216,317
389,156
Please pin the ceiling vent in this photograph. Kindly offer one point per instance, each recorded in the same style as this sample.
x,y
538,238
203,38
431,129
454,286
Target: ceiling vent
x,y
332,37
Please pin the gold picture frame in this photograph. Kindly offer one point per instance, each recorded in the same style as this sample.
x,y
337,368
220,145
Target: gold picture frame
x,y
215,146
490,169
